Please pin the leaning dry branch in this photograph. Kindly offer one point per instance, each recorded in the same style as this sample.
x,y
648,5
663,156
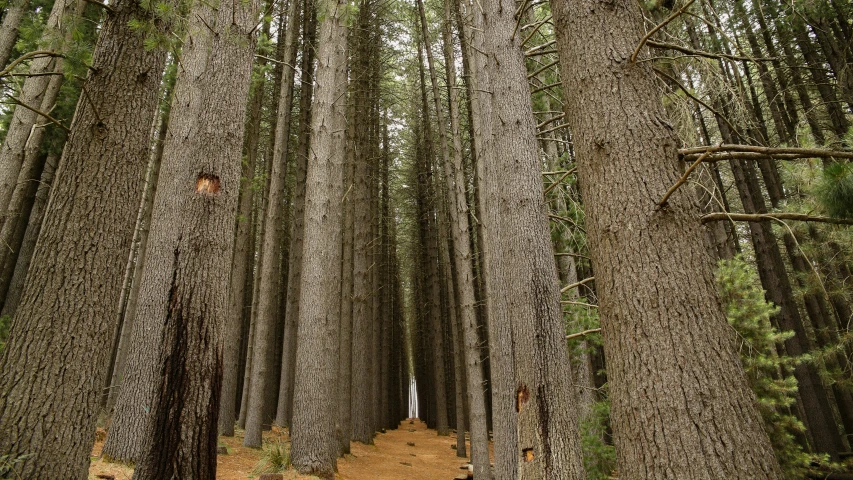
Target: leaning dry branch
x,y
697,100
777,216
559,181
543,52
26,56
43,114
536,29
701,53
550,120
730,151
658,27
543,68
585,332
681,181
576,284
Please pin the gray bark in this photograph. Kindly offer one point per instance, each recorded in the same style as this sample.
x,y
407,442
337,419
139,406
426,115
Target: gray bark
x,y
9,30
185,286
61,330
314,446
669,343
270,269
13,151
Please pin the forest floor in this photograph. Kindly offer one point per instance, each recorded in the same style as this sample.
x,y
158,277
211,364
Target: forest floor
x,y
391,457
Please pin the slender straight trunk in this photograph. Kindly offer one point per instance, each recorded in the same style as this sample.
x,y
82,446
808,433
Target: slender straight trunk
x,y
839,121
15,12
60,25
28,245
386,387
362,314
143,227
186,279
654,255
61,330
314,446
270,271
457,205
344,418
438,391
538,430
15,218
284,412
241,262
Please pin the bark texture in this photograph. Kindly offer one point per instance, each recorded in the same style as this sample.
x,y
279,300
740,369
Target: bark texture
x,y
61,330
681,406
314,445
522,288
187,276
13,151
270,269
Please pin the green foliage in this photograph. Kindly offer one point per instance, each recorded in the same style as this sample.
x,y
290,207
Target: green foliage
x,y
769,374
5,323
599,455
835,191
275,457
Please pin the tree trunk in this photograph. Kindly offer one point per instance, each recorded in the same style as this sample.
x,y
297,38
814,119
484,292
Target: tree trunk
x,y
659,351
61,330
457,204
314,446
143,227
15,218
21,125
187,276
28,245
15,12
284,412
270,269
362,314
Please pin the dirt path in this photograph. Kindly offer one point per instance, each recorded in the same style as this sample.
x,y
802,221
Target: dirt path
x,y
390,458
431,457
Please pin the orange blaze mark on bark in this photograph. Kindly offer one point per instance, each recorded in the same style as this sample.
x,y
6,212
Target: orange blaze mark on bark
x,y
528,454
522,396
207,184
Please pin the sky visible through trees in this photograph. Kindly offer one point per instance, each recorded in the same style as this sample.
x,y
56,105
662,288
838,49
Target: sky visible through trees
x,y
586,239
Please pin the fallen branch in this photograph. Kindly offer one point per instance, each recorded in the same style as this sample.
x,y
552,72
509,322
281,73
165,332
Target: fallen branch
x,y
658,27
584,333
778,216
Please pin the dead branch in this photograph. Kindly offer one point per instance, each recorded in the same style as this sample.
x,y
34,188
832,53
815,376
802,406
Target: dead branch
x,y
777,216
576,284
658,27
585,332
681,181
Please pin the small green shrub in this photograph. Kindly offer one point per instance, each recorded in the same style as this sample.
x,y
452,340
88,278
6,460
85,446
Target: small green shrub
x,y
599,455
275,458
770,375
